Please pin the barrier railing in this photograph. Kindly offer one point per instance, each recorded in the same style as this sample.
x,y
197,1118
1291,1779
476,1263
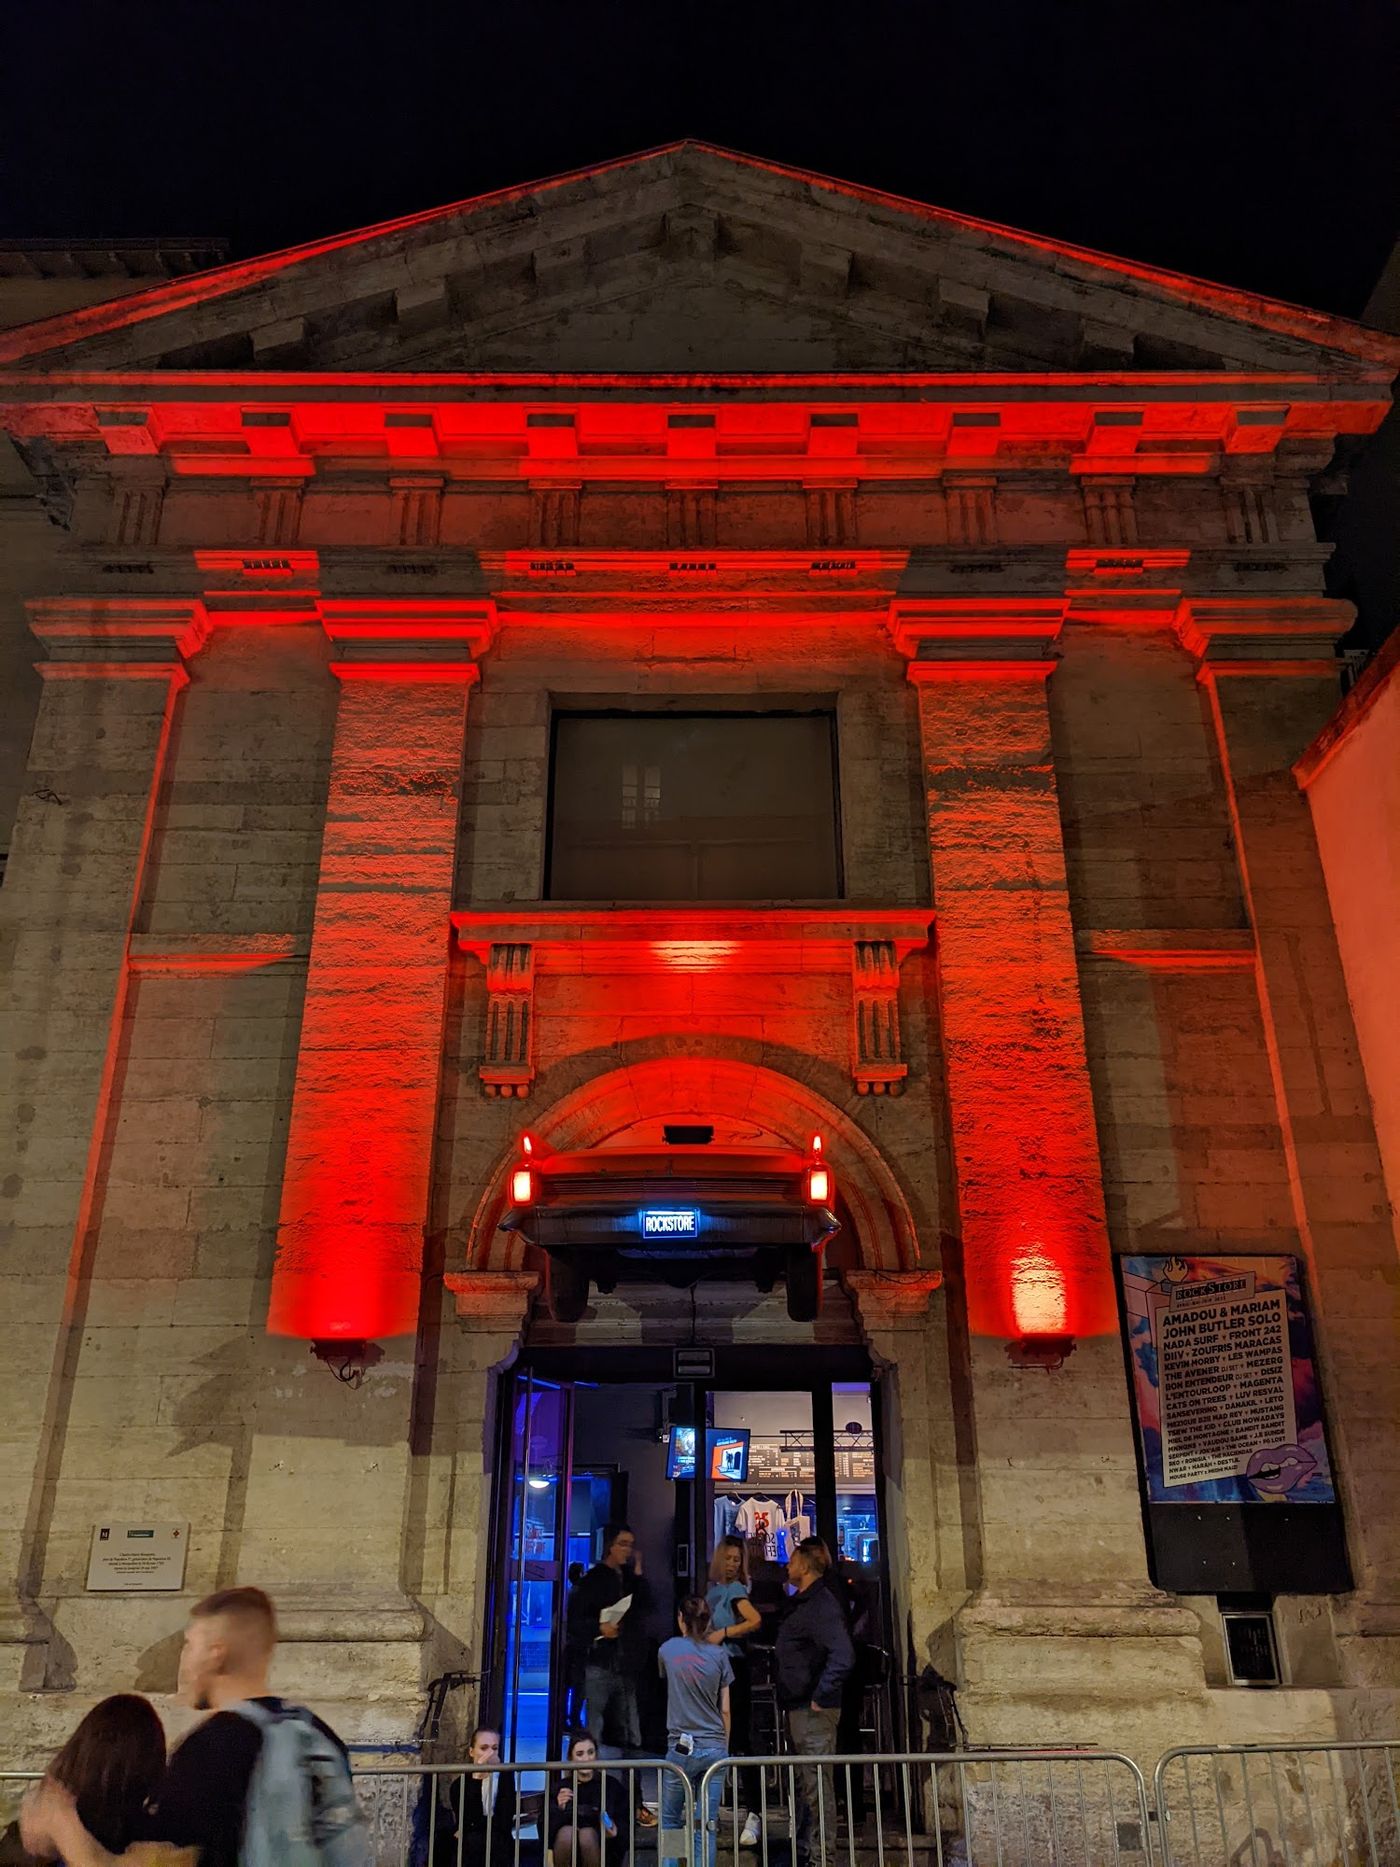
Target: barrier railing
x,y
574,1814
1303,1805
1298,1805
1011,1808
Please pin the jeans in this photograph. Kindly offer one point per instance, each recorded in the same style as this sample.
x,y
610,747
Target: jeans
x,y
693,1767
813,1734
612,1698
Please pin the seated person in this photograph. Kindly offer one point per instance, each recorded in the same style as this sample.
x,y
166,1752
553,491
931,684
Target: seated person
x,y
484,1808
587,1813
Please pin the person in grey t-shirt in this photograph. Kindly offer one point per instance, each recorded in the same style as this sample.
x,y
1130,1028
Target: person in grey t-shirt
x,y
698,1676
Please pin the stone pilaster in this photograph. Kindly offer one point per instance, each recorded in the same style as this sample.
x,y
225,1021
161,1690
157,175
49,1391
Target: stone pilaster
x,y
1058,1525
112,678
329,1482
1269,674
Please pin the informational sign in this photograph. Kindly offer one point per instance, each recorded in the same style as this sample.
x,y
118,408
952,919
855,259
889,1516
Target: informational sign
x,y
131,1558
1224,1383
682,1222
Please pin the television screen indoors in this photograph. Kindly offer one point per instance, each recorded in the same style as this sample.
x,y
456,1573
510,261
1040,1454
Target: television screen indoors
x,y
726,1453
729,1453
680,1453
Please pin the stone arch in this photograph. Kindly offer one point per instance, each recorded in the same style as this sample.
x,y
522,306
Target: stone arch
x,y
695,1088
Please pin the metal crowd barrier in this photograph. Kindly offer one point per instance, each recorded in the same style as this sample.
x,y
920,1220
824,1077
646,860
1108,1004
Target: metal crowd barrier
x,y
414,1814
1009,1808
1264,1805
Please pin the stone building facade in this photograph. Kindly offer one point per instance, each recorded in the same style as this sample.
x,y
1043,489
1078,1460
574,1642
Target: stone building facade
x,y
339,536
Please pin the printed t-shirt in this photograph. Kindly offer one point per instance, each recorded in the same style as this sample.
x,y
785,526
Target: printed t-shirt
x,y
696,1674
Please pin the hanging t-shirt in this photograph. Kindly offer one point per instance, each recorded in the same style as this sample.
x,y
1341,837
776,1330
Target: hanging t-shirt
x,y
758,1517
797,1519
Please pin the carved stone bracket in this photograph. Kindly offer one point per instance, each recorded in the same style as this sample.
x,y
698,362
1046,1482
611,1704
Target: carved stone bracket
x,y
892,1299
507,1060
492,1302
877,1051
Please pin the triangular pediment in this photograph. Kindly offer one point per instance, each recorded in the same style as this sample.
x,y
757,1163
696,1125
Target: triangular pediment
x,y
691,259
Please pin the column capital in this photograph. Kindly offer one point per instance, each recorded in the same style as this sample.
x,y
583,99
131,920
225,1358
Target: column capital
x,y
492,1302
1263,634
892,1299
114,638
378,638
986,637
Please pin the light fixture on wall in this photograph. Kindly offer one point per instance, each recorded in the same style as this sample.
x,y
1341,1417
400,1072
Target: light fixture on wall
x,y
349,1361
1040,1351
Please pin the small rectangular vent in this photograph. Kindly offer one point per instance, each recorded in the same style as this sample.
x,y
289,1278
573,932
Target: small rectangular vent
x,y
830,567
267,564
408,418
692,567
834,419
409,569
681,1134
552,567
976,418
128,570
690,421
542,419
267,418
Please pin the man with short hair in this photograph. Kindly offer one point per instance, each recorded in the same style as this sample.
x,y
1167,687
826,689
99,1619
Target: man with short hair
x,y
202,1799
813,1658
612,1658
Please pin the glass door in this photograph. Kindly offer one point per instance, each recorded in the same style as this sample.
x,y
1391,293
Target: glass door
x,y
529,1592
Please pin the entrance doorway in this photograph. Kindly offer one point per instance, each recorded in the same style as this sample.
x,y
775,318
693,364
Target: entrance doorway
x,y
773,1445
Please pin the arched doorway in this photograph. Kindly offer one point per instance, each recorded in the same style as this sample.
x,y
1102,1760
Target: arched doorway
x,y
595,1419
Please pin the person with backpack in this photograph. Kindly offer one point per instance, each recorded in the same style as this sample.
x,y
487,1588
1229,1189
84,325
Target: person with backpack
x,y
262,1783
110,1766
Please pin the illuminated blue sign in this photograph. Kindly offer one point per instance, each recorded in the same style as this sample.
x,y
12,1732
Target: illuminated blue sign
x,y
677,1222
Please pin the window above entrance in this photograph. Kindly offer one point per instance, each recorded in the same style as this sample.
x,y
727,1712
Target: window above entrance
x,y
718,806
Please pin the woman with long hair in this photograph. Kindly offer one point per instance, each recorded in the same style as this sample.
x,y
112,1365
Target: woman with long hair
x,y
110,1766
586,1812
698,1674
734,1618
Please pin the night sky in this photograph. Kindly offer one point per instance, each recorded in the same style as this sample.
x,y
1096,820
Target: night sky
x,y
1256,142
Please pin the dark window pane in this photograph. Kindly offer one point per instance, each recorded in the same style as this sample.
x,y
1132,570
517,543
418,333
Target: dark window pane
x,y
694,807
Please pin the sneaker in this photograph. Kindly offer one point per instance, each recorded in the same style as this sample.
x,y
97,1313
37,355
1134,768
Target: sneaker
x,y
749,1838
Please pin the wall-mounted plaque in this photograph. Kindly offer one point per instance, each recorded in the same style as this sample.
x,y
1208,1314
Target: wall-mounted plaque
x,y
129,1558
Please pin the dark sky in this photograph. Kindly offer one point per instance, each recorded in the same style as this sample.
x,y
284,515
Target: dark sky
x,y
1252,141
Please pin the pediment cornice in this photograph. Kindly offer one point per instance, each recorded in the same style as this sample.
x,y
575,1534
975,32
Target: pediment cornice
x,y
570,270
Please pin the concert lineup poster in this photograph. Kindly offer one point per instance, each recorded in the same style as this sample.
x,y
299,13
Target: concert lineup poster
x,y
1224,1381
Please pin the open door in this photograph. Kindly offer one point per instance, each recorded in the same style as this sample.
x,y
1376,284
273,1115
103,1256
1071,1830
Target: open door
x,y
532,1558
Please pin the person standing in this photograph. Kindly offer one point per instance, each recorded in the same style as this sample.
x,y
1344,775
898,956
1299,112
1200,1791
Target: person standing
x,y
734,1618
813,1659
213,1788
698,1675
609,1645
110,1766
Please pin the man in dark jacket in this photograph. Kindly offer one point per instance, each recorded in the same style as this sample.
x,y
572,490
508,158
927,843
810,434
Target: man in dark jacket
x,y
611,1649
814,1657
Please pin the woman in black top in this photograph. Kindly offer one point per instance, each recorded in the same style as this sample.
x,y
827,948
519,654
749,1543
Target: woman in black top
x,y
587,1813
110,1766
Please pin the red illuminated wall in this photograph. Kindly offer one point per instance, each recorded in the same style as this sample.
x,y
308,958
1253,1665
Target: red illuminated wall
x,y
355,1191
1025,1146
